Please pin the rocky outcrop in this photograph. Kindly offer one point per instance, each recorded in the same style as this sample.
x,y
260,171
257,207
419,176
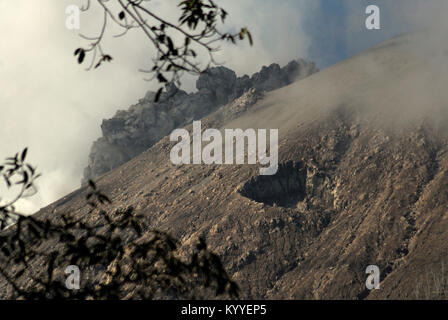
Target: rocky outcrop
x,y
130,132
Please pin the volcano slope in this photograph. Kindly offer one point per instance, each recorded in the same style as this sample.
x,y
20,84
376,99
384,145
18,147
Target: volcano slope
x,y
363,179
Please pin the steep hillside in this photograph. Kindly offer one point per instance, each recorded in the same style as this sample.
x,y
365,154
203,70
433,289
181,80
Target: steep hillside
x,y
363,179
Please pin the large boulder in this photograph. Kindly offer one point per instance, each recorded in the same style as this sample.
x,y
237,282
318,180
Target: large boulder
x,y
219,82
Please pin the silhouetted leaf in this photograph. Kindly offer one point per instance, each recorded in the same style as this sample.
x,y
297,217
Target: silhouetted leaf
x,y
161,78
23,156
81,56
32,170
158,94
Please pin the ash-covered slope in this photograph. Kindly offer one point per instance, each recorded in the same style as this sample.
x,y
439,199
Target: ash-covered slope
x,y
131,132
363,179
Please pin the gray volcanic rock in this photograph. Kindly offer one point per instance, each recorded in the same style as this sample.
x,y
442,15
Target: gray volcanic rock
x,y
218,83
274,77
362,180
129,133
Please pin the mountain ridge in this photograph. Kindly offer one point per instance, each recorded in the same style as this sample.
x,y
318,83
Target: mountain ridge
x,y
130,132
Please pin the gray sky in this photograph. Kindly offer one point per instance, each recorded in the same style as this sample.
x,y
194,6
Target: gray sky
x,y
52,105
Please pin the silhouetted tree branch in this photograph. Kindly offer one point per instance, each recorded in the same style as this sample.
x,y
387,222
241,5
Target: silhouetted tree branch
x,y
116,251
198,27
